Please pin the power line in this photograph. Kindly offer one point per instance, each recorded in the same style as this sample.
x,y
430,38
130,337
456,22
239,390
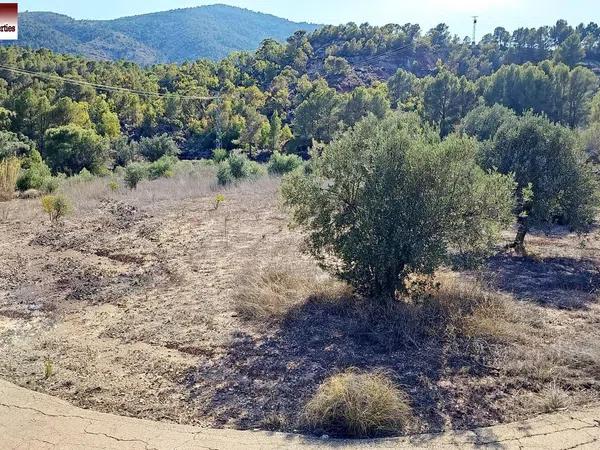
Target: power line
x,y
103,87
379,56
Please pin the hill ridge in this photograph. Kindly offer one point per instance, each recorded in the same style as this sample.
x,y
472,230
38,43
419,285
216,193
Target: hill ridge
x,y
173,36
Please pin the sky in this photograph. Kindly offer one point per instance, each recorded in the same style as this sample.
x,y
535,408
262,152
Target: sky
x,y
457,14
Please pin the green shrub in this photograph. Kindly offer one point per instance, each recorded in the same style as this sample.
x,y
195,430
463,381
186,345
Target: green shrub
x,y
56,206
484,121
357,404
219,198
388,198
162,167
224,175
85,175
50,185
255,170
280,164
219,155
154,148
123,152
238,165
134,173
36,175
113,185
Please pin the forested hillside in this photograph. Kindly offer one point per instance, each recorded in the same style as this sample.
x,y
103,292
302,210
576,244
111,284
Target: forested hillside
x,y
292,96
171,36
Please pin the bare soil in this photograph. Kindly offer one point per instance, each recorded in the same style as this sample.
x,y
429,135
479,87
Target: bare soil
x,y
129,307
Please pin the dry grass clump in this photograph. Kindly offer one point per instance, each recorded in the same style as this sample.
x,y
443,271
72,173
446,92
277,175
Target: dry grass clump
x,y
358,404
9,171
553,398
473,311
451,308
272,293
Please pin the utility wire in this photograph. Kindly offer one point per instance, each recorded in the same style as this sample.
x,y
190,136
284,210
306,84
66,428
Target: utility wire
x,y
102,87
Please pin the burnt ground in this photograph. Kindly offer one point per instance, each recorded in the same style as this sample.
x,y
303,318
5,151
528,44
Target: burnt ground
x,y
130,304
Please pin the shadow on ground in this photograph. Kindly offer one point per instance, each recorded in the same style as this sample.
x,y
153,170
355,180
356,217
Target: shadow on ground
x,y
262,382
565,283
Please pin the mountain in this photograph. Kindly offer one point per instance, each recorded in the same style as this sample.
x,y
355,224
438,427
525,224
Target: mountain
x,y
171,36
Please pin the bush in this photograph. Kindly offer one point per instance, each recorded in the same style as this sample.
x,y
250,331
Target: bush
x,y
84,176
134,173
224,175
280,164
358,404
50,185
36,174
154,148
219,155
255,170
9,171
484,121
238,165
236,168
56,206
162,167
387,199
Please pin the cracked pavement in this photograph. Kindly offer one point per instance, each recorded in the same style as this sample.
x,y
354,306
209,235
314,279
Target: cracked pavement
x,y
31,420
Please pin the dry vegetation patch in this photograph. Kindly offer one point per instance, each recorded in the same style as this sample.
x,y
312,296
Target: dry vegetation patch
x,y
271,293
358,404
171,309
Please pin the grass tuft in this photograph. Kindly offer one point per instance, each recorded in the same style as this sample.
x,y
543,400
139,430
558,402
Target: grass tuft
x,y
358,404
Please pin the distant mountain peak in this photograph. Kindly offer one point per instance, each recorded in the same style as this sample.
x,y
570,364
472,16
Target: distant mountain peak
x,y
209,31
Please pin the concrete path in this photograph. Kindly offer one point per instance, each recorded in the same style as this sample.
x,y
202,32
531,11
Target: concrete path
x,y
30,420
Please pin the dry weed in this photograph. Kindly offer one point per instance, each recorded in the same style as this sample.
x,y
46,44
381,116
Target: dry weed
x,y
270,294
553,399
358,404
9,171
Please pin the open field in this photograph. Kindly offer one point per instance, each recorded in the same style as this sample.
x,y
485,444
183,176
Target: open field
x,y
154,304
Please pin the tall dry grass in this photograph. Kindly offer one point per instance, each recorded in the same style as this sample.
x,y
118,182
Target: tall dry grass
x,y
358,404
269,294
454,309
9,172
86,195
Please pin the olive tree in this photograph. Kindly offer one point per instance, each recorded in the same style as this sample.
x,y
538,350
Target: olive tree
x,y
554,184
388,198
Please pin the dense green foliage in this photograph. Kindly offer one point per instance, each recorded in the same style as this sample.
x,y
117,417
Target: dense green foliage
x,y
70,149
238,167
553,182
172,36
286,96
389,198
288,99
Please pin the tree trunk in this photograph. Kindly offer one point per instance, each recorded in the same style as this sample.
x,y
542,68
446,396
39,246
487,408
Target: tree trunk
x,y
519,243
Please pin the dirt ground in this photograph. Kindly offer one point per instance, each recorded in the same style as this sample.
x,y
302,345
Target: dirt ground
x,y
128,308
